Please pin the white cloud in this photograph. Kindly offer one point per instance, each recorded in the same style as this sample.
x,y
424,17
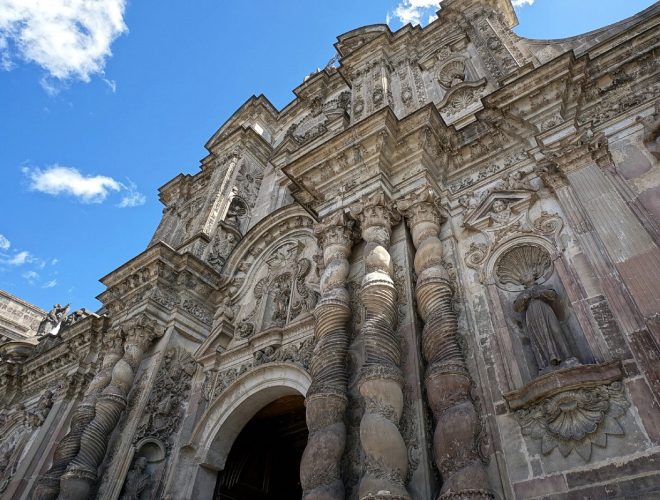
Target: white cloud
x,y
132,198
30,276
69,39
49,284
18,259
414,11
58,179
4,243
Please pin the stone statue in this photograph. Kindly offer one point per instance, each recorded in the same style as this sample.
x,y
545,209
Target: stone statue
x,y
137,480
542,326
53,321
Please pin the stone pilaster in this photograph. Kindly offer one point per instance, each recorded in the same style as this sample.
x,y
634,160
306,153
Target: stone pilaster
x,y
326,401
48,486
386,457
81,473
447,380
620,249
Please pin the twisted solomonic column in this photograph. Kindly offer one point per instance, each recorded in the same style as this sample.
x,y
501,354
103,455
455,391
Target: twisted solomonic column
x,y
326,401
447,379
386,457
48,486
81,474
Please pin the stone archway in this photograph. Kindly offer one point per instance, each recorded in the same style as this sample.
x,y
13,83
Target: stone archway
x,y
215,433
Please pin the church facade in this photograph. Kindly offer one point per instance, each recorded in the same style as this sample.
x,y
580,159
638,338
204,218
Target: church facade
x,y
433,275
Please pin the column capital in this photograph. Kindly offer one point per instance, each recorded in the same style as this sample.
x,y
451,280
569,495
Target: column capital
x,y
420,206
140,331
375,209
335,229
551,176
578,150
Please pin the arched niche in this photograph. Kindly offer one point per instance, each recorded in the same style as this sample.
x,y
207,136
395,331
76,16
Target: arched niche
x,y
215,432
506,269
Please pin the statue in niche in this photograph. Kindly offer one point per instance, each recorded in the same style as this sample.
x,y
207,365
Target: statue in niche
x,y
137,480
524,266
236,214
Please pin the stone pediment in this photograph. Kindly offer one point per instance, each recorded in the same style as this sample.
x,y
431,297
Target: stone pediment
x,y
483,215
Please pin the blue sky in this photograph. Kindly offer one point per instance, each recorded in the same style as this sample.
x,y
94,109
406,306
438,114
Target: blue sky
x,y
104,101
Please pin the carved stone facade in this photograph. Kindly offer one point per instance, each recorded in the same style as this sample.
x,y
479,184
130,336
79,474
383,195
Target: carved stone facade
x,y
448,244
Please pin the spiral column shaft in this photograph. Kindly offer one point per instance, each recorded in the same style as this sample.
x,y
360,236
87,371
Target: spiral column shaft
x,y
81,474
326,401
386,456
48,486
447,381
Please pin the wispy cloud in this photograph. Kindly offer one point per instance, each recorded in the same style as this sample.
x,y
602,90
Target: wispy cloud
x,y
30,276
424,11
17,259
132,197
57,180
49,284
4,243
69,40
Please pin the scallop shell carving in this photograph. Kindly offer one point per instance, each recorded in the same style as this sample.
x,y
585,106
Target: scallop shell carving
x,y
452,73
517,264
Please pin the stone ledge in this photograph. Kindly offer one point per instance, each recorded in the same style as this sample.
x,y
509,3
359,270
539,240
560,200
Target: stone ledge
x,y
579,377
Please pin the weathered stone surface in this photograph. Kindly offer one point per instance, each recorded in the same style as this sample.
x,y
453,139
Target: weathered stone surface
x,y
448,244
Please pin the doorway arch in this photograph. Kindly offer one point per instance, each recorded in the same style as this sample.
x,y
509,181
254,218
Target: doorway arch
x,y
220,425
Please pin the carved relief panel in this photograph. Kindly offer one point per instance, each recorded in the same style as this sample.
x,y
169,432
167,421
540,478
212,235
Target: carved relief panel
x,y
285,284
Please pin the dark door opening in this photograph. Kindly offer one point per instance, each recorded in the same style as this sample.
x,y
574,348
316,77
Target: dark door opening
x,y
264,461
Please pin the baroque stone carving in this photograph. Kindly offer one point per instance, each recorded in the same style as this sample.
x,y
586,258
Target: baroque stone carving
x,y
380,379
162,414
326,398
81,473
53,321
447,381
137,480
575,420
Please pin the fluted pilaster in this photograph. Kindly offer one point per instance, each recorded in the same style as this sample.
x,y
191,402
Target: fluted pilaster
x,y
80,475
447,381
326,401
386,457
48,486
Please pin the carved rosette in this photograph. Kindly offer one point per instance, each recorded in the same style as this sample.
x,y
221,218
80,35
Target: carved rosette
x,y
81,474
386,457
575,420
326,399
447,380
48,486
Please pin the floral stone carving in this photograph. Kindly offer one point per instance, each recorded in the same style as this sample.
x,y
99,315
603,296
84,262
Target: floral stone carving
x,y
572,409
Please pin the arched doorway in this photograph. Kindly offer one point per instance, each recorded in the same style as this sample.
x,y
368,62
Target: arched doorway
x,y
264,461
214,435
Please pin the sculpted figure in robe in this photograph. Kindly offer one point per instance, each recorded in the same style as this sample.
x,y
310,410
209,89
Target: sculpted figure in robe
x,y
542,326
